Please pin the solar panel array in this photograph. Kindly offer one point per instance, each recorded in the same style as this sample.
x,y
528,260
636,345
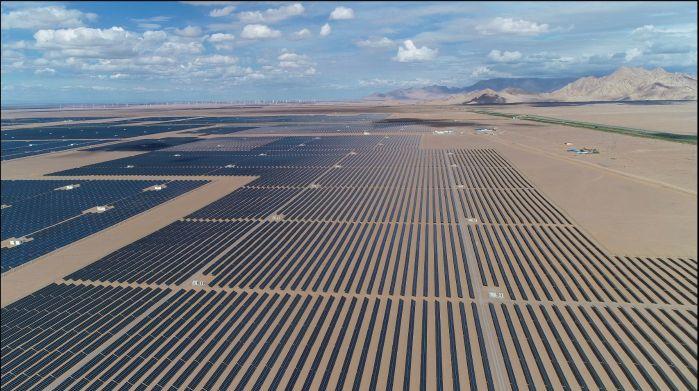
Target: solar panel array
x,y
49,216
145,145
18,149
364,262
74,133
32,120
92,131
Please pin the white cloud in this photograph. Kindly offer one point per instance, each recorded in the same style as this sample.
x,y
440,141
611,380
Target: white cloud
x,y
222,41
109,50
481,71
219,12
87,42
11,55
342,13
259,31
292,60
292,64
501,25
325,30
301,34
632,54
115,54
376,43
504,56
215,59
221,37
189,31
177,48
409,53
45,71
650,31
16,45
45,18
377,82
272,15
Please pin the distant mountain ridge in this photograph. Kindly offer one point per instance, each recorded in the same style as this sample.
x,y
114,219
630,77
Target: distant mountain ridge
x,y
530,84
631,84
622,85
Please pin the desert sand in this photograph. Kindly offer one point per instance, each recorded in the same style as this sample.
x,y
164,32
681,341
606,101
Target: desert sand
x,y
556,257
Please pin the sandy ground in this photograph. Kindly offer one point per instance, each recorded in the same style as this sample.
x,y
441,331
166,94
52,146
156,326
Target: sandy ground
x,y
638,197
680,118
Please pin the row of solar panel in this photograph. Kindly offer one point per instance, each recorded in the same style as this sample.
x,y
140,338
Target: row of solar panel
x,y
561,263
170,255
18,149
228,340
49,332
92,131
339,128
384,204
54,205
529,263
224,340
68,231
596,347
405,259
201,163
24,121
145,145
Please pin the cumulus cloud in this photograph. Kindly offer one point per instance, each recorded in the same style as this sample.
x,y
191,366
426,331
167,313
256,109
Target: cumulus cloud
x,y
259,31
380,43
116,53
501,25
45,18
16,45
504,56
481,71
663,44
189,31
45,71
633,53
222,41
325,30
292,60
88,42
219,12
221,37
408,52
301,34
215,59
272,15
342,13
293,64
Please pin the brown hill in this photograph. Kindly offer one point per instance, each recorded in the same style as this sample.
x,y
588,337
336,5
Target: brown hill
x,y
629,84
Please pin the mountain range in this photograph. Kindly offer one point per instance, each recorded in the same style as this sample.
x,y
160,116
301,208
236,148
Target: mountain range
x,y
624,84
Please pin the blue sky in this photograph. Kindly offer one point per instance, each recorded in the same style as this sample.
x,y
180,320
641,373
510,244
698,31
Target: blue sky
x,y
112,52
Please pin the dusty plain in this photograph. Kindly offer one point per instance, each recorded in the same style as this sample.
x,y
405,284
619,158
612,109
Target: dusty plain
x,y
581,270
